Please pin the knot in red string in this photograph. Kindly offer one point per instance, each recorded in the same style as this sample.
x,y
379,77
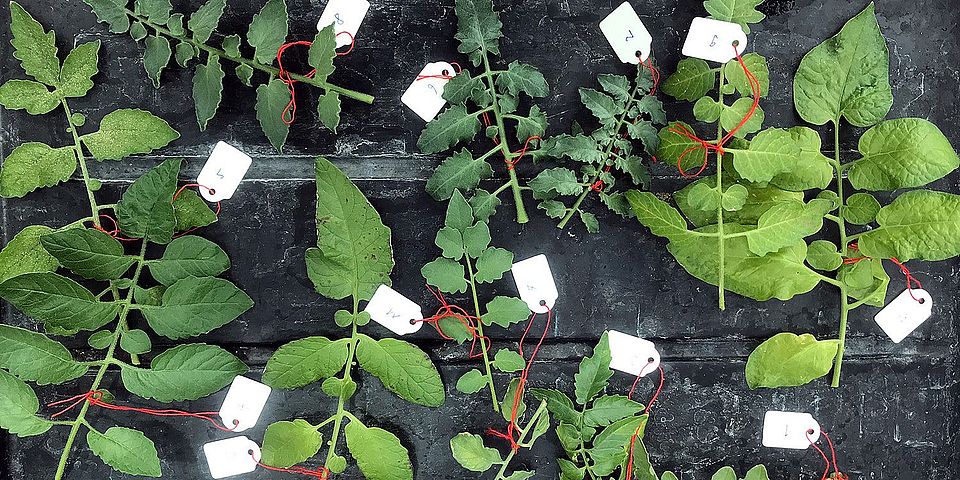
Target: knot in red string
x,y
95,398
322,473
113,232
599,185
458,313
518,155
289,114
911,280
444,75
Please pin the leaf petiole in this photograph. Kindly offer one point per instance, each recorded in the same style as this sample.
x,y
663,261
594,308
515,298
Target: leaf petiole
x,y
488,371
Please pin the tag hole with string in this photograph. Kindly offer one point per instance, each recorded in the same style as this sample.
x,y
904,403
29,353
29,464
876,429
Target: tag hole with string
x,y
736,43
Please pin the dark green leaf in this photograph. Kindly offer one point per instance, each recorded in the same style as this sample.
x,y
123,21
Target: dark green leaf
x,y
58,301
272,101
89,253
594,372
146,209
185,372
194,306
205,20
207,89
189,256
156,57
268,31
35,357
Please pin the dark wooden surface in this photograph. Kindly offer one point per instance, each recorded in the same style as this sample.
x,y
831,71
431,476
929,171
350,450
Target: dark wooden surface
x,y
895,417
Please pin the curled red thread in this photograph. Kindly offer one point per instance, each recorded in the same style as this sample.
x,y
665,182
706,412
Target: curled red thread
x,y
518,395
321,473
654,73
443,76
656,394
518,155
448,310
289,114
95,398
718,147
837,475
911,280
115,231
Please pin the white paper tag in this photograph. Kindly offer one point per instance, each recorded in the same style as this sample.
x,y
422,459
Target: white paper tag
x,y
789,430
394,311
632,355
904,314
535,283
713,40
346,16
223,172
232,456
425,96
243,404
627,34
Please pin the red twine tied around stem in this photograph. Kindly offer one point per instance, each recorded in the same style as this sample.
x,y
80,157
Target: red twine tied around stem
x,y
95,398
448,310
837,475
518,155
636,434
115,232
321,473
911,280
718,147
289,114
518,395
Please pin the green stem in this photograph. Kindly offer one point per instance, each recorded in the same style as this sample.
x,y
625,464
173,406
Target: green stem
x,y
78,152
508,156
341,413
720,240
80,420
483,344
501,474
362,97
844,306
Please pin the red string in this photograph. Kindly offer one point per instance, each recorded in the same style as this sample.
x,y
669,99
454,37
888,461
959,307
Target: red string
x,y
599,185
837,475
654,73
115,232
911,280
448,310
289,114
209,190
95,398
636,434
443,76
517,156
518,395
718,147
321,472
813,444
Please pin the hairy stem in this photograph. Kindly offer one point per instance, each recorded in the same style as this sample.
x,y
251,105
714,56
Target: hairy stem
x,y
844,306
362,97
78,152
108,359
502,473
720,240
488,371
341,413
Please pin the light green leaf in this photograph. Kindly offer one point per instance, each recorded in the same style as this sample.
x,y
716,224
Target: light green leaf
x,y
135,342
194,306
758,472
453,126
126,450
286,444
403,368
305,361
902,153
146,208
127,132
788,360
35,357
732,115
601,105
521,474
757,65
111,12
35,48
459,213
507,360
861,209
323,51
642,468
492,264
189,256
471,382
510,398
353,254
610,408
662,219
58,301
205,20
18,408
678,149
268,31
785,224
812,169
461,171
272,100
921,224
693,79
707,110
378,453
207,89
735,197
78,69
192,212
328,111
339,388
594,372
478,29
521,77
34,97
558,404
704,197
742,12
823,255
725,473
184,372
846,76
445,274
590,222
771,153
24,254
570,470
561,180
476,239
156,57
469,452
759,200
35,165
89,253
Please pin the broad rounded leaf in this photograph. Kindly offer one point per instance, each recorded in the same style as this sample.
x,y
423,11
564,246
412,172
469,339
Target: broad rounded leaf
x,y
693,79
921,224
24,254
789,360
146,208
192,212
378,453
403,368
126,450
785,224
127,132
286,444
185,372
18,408
58,301
902,153
194,306
136,342
36,98
89,253
507,360
35,357
505,311
469,451
861,209
471,382
492,264
823,255
305,361
35,165
445,274
189,256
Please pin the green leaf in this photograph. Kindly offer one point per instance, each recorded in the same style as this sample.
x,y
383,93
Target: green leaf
x,y
741,12
451,127
460,171
189,256
353,254
272,100
322,52
268,31
100,340
521,77
89,253
183,53
789,360
471,382
725,473
507,360
450,241
575,147
641,462
811,170
445,274
138,31
28,95
594,372
759,201
156,57
616,85
207,90
403,368
492,264
24,254
862,208
534,125
78,69
149,296
785,224
757,65
560,180
520,474
693,79
18,408
35,357
111,12
156,11
921,224
194,306
469,452
378,453
509,398
175,24
678,149
190,211
602,106
35,165
286,444
135,342
846,76
305,361
902,153
610,408
476,239
35,48
732,115
771,153
205,20
590,222
58,301
823,255
570,470
704,197
127,132
553,208
662,219
328,111
610,446
126,450
184,372
735,197
146,208
707,110
459,213
339,388
478,29
558,404
484,205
